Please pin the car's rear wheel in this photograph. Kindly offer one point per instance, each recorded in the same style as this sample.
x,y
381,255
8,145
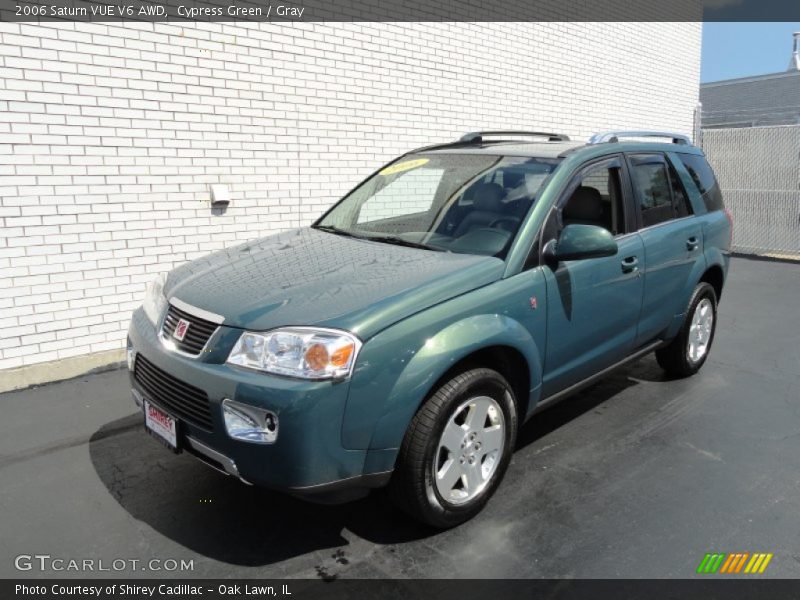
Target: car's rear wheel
x,y
456,449
689,350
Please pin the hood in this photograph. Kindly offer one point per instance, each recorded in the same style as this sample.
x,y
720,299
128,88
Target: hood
x,y
311,277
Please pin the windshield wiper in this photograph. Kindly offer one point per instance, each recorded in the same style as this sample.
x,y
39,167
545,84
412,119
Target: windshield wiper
x,y
386,239
389,239
336,230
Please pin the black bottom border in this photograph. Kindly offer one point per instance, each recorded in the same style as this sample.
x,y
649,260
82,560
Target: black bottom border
x,y
408,589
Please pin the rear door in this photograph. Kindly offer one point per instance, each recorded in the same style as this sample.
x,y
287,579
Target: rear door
x,y
672,238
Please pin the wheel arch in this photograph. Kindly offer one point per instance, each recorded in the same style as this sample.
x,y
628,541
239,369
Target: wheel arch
x,y
715,276
493,341
506,360
706,271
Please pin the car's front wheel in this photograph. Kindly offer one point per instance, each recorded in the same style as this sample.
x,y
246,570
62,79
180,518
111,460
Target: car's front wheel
x,y
456,449
688,351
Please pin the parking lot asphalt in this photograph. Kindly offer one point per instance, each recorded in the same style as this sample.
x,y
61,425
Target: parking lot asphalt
x,y
638,476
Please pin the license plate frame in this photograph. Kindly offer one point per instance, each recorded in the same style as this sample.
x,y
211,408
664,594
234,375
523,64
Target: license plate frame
x,y
162,425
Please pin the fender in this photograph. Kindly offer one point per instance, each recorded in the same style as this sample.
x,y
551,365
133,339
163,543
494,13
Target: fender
x,y
388,386
716,241
696,274
438,354
715,234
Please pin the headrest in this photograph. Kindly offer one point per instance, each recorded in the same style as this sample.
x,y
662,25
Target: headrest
x,y
486,196
513,179
586,204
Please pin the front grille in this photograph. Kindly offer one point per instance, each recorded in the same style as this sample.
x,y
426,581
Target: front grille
x,y
197,333
181,399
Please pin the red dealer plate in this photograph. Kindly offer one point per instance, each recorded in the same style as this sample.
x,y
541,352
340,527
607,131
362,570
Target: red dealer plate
x,y
161,425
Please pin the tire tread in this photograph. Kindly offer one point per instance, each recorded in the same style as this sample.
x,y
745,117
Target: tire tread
x,y
407,486
672,357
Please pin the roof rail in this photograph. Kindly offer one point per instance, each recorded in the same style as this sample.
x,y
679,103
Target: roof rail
x,y
613,136
476,137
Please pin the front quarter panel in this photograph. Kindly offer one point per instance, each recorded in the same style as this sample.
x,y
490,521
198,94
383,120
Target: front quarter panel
x,y
398,367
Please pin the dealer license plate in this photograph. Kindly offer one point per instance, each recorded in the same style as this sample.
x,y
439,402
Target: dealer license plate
x,y
163,426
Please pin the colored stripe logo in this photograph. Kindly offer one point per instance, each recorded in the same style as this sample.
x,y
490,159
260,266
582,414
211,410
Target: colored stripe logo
x,y
735,563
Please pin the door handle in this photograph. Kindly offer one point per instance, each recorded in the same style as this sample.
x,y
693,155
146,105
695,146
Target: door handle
x,y
692,243
630,264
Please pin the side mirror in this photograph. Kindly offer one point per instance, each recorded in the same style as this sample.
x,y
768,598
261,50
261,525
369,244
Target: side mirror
x,y
577,242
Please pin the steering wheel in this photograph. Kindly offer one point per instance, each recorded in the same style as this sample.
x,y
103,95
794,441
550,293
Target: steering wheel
x,y
512,220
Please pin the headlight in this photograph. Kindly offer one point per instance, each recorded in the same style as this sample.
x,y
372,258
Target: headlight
x,y
154,300
303,352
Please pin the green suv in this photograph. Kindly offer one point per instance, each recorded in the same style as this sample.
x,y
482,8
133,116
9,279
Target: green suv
x,y
403,338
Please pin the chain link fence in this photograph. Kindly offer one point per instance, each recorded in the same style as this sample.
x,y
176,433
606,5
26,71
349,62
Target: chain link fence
x,y
758,169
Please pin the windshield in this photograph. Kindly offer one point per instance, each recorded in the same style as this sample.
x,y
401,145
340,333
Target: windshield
x,y
466,203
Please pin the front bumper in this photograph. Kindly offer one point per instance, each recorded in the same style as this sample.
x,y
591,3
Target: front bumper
x,y
306,459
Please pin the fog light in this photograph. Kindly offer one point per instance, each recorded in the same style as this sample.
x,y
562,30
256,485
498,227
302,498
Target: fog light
x,y
248,423
130,356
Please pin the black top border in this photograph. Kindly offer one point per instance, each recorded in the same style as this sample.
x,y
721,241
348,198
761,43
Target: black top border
x,y
398,10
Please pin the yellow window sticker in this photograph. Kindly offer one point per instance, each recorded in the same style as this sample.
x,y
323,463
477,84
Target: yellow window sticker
x,y
406,165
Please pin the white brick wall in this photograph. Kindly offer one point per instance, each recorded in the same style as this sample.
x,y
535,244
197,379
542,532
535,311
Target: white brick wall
x,y
110,135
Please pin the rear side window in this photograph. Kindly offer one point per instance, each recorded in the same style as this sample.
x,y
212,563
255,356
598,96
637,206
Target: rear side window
x,y
681,200
659,192
704,179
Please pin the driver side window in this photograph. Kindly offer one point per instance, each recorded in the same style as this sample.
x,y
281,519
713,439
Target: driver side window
x,y
597,200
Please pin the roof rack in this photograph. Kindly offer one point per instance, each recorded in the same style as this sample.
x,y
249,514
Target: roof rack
x,y
613,136
476,137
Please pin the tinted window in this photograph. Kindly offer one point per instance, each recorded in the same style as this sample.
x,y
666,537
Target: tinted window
x,y
659,190
680,199
653,188
704,179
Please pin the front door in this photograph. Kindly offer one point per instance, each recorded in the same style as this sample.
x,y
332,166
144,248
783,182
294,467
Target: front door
x,y
593,305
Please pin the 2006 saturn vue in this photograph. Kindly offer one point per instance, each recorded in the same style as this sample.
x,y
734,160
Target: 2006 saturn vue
x,y
403,338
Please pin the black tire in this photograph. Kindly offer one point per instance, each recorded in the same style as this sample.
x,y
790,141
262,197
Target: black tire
x,y
674,358
412,485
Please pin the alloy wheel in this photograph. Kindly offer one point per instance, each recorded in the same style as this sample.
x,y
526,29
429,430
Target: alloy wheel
x,y
700,330
469,449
